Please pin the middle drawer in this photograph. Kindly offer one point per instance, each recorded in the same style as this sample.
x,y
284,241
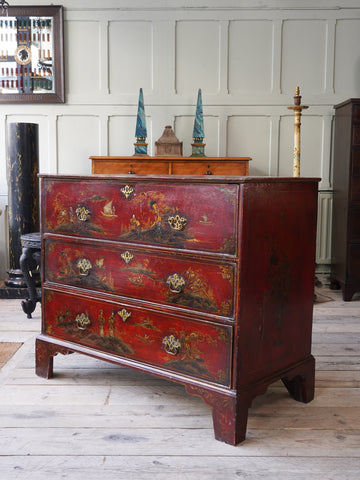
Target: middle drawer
x,y
177,280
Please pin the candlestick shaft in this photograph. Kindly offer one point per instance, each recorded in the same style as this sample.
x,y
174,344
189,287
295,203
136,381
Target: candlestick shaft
x,y
297,123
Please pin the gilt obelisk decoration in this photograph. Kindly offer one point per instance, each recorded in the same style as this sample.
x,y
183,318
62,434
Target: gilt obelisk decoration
x,y
140,131
297,122
198,145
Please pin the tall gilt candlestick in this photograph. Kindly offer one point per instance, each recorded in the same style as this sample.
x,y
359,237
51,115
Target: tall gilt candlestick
x,y
297,122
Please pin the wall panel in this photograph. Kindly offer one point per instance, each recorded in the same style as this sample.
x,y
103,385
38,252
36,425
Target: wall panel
x,y
82,54
122,134
130,56
197,56
347,58
249,136
250,56
303,56
78,139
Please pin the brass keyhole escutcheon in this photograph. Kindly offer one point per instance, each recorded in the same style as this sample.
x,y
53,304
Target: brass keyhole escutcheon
x,y
124,314
177,223
127,257
127,191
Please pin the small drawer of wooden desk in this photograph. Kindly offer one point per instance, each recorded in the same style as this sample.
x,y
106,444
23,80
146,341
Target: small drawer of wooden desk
x,y
196,348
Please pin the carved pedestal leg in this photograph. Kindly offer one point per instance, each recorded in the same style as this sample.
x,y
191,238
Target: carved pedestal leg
x,y
44,357
28,262
300,382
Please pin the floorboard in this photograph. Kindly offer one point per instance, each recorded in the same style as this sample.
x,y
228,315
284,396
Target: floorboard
x,y
96,420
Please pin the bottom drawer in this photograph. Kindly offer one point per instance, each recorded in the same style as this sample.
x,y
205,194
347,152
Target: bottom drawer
x,y
197,348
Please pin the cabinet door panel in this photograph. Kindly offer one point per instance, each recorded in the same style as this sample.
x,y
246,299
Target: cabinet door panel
x,y
194,348
186,216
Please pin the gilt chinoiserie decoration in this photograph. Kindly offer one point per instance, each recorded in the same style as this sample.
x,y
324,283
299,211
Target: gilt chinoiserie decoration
x,y
31,55
196,279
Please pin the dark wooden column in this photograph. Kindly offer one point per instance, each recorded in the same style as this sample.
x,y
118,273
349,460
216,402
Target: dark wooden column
x,y
23,186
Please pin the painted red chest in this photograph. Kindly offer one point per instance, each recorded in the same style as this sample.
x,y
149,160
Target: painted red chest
x,y
201,280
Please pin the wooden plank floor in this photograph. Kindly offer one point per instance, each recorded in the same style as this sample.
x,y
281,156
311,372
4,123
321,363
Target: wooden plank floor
x,y
95,420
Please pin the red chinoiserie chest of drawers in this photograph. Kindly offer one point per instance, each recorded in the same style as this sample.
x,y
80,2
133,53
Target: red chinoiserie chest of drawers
x,y
205,281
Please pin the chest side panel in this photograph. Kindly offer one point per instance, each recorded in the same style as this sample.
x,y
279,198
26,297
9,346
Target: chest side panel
x,y
276,276
195,348
185,216
176,280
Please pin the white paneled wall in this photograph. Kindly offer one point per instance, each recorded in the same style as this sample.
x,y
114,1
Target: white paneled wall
x,y
246,56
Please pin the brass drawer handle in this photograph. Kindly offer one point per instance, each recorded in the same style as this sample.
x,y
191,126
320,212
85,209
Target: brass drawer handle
x,y
82,321
127,191
124,314
172,345
83,214
127,257
84,266
177,222
176,283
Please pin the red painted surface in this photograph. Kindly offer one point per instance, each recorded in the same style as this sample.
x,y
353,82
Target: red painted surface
x,y
246,246
208,286
144,216
205,347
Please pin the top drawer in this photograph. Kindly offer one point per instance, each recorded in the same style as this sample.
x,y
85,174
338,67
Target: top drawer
x,y
187,216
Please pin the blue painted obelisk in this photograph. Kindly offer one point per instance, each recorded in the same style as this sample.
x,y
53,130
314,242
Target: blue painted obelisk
x,y
198,145
140,131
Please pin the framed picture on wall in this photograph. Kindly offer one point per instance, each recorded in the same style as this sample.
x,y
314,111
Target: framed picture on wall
x,y
32,55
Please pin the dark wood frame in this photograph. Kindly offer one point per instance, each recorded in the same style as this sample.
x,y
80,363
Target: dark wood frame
x,y
58,96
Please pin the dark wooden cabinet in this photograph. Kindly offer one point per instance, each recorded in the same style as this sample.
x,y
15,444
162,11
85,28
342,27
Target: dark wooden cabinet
x,y
168,165
345,270
206,281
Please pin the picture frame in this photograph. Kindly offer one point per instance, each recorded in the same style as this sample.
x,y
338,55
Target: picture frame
x,y
32,55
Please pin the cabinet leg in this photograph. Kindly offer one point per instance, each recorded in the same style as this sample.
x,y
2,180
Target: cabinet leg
x,y
230,417
300,382
44,357
348,293
230,413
